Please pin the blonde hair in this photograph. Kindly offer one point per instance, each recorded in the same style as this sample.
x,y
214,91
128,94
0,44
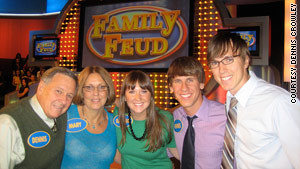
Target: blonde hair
x,y
84,74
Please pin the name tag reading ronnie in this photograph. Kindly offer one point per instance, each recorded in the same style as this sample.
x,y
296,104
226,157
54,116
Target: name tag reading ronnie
x,y
38,139
117,122
76,125
177,125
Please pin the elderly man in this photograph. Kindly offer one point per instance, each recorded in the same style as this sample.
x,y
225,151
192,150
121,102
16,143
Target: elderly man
x,y
32,131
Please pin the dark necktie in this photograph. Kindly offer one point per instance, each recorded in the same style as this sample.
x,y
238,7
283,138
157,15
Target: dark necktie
x,y
228,151
188,149
54,128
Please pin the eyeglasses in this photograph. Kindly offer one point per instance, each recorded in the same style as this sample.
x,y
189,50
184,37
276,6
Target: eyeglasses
x,y
100,88
226,61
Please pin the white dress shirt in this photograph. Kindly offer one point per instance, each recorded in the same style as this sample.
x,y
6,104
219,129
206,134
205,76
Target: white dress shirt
x,y
12,150
268,127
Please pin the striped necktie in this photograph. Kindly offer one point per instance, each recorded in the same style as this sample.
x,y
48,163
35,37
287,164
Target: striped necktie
x,y
228,151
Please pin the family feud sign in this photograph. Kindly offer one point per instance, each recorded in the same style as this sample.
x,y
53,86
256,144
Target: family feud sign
x,y
138,35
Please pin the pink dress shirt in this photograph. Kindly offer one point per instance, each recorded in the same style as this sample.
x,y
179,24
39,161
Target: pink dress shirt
x,y
209,133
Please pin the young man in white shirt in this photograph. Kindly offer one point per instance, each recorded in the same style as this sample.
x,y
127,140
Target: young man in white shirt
x,y
267,130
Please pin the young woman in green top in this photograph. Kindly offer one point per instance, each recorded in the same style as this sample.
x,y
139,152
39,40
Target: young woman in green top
x,y
144,132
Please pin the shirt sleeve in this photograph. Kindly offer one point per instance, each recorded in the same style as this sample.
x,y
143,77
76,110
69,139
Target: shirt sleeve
x,y
11,146
287,124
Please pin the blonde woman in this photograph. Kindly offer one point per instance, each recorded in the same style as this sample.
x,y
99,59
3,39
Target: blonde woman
x,y
91,135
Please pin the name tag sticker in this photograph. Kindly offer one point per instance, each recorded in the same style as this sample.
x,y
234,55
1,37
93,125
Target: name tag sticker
x,y
76,125
177,125
38,139
117,122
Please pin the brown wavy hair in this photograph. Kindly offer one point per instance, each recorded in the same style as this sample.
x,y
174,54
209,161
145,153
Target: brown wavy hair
x,y
156,123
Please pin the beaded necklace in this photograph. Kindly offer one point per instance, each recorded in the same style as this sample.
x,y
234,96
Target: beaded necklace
x,y
90,123
130,126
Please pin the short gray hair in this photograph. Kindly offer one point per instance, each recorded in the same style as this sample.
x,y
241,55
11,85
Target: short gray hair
x,y
49,74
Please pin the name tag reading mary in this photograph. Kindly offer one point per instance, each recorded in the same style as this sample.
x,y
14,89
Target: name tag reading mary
x,y
76,125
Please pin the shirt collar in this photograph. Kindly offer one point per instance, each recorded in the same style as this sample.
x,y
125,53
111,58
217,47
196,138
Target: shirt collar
x,y
202,113
245,91
39,111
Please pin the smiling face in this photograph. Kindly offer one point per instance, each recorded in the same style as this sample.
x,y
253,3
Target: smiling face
x,y
138,100
232,76
56,96
95,98
187,90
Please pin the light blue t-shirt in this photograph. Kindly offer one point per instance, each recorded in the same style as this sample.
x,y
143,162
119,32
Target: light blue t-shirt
x,y
87,150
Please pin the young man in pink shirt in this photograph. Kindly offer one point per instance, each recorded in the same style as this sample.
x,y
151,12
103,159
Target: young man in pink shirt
x,y
186,79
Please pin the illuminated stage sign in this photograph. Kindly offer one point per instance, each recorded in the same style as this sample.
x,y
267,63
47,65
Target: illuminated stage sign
x,y
45,47
135,35
249,37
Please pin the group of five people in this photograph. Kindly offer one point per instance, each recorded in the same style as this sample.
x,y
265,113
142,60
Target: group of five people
x,y
262,129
